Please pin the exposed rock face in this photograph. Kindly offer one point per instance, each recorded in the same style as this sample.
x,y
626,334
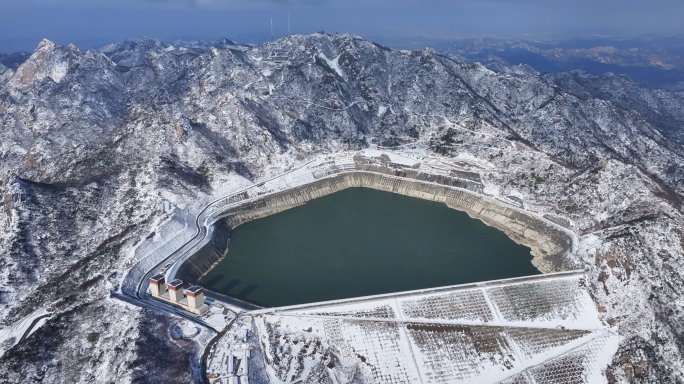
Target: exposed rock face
x,y
98,148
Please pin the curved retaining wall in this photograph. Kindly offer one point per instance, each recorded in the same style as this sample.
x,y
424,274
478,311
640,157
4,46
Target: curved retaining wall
x,y
548,242
213,251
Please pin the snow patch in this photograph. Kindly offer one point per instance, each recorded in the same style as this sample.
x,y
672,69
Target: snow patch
x,y
334,64
59,71
381,110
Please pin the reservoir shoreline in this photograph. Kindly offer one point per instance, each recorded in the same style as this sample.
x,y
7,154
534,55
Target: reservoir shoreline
x,y
549,243
360,242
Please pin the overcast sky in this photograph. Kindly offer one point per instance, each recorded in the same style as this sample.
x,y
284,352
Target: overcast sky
x,y
92,23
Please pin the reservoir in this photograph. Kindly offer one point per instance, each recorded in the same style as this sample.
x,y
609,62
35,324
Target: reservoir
x,y
360,242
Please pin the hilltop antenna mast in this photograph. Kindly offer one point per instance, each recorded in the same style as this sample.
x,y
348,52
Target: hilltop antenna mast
x,y
288,23
271,28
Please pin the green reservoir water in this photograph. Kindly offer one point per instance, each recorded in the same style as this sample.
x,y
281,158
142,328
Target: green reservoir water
x,y
360,242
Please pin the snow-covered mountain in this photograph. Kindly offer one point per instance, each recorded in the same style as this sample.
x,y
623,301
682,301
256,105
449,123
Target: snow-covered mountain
x,y
97,148
661,108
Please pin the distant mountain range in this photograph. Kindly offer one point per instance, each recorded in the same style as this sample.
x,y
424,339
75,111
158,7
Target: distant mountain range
x,y
651,61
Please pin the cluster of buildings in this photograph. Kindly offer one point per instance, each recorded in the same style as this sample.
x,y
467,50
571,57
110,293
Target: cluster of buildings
x,y
234,366
229,358
191,299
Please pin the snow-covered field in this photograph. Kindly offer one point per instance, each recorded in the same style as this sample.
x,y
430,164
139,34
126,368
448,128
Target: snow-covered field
x,y
540,327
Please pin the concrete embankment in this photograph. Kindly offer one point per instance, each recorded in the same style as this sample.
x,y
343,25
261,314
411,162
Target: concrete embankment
x,y
210,254
549,244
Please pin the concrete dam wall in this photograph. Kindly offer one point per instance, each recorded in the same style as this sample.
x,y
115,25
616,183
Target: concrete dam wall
x,y
549,243
212,252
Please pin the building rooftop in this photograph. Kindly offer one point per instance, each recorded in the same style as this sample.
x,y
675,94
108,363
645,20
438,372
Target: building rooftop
x,y
176,283
157,277
194,289
279,59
